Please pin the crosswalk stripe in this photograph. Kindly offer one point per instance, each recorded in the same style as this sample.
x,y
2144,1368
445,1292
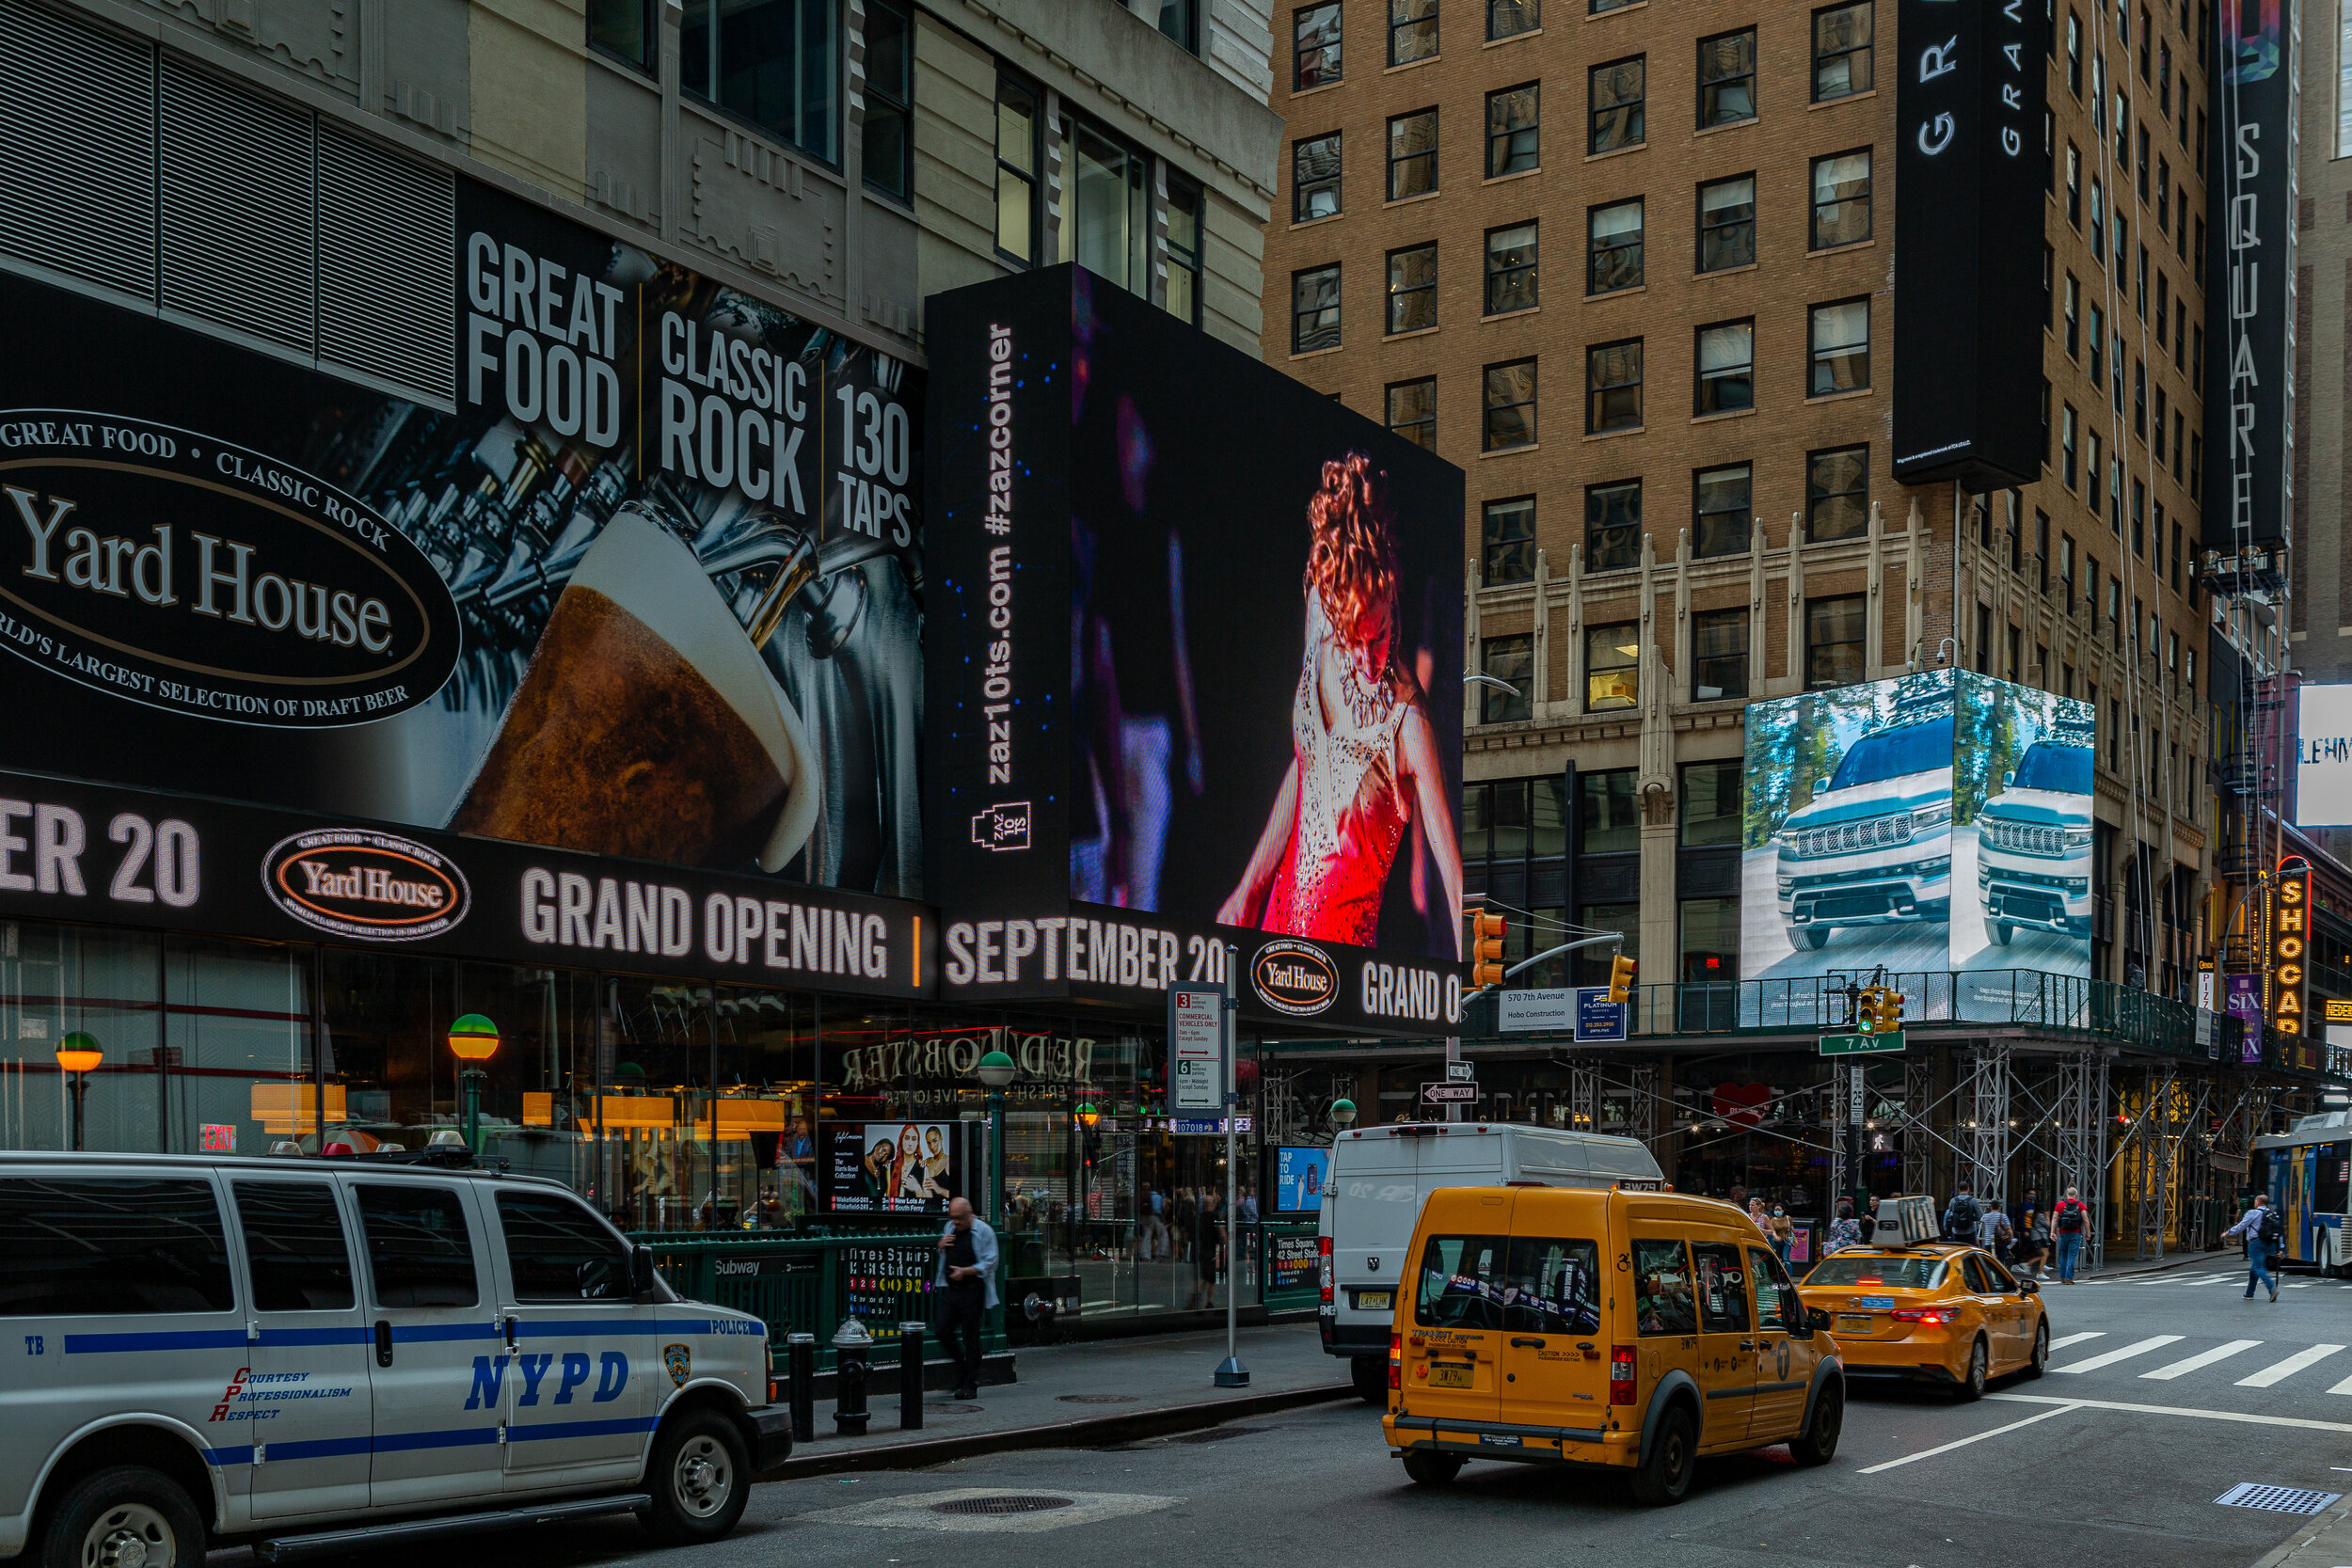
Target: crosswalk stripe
x,y
2288,1368
2343,1388
2077,1339
2203,1358
2142,1347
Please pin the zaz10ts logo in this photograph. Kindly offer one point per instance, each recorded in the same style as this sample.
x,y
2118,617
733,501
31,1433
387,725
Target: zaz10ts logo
x,y
1295,979
375,887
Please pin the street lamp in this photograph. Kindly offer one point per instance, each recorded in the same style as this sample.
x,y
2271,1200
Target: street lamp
x,y
472,1039
79,1055
995,1071
1343,1113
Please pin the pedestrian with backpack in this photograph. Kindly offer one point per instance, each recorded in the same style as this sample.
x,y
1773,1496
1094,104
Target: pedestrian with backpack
x,y
1960,1216
2265,1232
1996,1233
2070,1224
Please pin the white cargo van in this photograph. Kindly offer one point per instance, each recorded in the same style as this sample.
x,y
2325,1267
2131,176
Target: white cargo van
x,y
1372,1197
306,1354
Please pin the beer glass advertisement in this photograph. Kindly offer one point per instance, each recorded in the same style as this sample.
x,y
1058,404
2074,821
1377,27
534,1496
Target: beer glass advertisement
x,y
2021,834
1847,838
892,1167
647,587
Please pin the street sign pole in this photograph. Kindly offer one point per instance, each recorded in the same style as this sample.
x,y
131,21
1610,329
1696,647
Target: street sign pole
x,y
1453,1060
1232,1373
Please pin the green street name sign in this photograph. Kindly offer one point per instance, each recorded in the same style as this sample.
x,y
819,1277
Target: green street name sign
x,y
1856,1045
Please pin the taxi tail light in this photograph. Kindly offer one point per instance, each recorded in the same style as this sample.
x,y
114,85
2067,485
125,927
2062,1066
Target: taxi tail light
x,y
1919,1315
1621,1374
1396,1361
1322,1245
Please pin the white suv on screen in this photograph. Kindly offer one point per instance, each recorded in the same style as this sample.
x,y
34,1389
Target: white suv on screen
x,y
1874,846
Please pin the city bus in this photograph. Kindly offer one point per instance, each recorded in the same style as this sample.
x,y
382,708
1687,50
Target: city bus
x,y
2304,1170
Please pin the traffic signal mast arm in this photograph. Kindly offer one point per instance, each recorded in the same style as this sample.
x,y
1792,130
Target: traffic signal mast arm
x,y
1548,953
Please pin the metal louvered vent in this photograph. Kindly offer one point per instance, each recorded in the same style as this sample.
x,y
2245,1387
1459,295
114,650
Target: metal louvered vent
x,y
237,198
77,118
387,268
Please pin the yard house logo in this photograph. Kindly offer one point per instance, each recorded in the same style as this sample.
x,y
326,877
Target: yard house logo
x,y
183,573
1295,979
371,886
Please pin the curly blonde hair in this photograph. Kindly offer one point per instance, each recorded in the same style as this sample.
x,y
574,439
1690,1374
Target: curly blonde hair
x,y
1351,560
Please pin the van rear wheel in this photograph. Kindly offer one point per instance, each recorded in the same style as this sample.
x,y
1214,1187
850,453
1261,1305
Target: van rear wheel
x,y
127,1517
1433,1469
1818,1443
1370,1375
1668,1459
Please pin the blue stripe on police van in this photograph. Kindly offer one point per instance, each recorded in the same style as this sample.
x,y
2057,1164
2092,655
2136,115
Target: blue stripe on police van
x,y
240,1455
316,1336
191,1338
580,1429
421,1333
320,1448
458,1438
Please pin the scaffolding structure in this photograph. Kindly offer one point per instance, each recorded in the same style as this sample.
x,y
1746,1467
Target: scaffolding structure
x,y
1981,1141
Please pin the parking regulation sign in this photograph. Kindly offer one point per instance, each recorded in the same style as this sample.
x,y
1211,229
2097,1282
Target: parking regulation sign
x,y
1195,1048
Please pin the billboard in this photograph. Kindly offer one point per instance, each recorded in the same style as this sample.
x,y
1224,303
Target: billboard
x,y
1937,821
892,1167
2323,757
1300,1174
1970,165
1195,667
647,588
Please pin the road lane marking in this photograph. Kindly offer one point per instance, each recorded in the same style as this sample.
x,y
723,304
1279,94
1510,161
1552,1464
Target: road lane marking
x,y
2288,1368
2203,1358
2154,1342
2343,1388
2246,1416
1930,1454
2057,1345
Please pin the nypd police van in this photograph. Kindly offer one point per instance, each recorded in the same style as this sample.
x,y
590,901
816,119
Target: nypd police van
x,y
302,1353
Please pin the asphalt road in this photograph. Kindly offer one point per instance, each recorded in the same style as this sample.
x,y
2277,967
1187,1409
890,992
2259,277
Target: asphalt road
x,y
2117,1456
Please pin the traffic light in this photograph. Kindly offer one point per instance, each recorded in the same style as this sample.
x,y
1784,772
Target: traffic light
x,y
1866,1012
1890,1010
1486,948
1620,978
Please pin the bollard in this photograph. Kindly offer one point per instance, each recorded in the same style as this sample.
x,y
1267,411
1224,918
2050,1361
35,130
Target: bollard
x,y
851,1346
911,1376
799,1352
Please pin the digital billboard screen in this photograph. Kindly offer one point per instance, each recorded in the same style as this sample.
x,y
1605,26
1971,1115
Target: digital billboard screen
x,y
2323,757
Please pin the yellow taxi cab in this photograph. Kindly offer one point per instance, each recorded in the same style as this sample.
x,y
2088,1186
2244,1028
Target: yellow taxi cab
x,y
1622,1329
1910,1310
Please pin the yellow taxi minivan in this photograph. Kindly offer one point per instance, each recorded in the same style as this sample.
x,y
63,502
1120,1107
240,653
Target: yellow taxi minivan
x,y
1628,1330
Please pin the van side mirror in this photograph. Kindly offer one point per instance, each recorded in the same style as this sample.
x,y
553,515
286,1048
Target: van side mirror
x,y
1817,1317
641,1271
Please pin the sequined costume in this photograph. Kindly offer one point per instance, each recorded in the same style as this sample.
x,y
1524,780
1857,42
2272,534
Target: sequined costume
x,y
1350,816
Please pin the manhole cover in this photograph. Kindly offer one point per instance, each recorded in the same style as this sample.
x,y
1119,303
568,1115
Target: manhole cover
x,y
2277,1499
1097,1398
1003,1504
951,1408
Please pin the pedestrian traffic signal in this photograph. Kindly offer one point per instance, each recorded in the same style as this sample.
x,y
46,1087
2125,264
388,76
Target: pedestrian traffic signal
x,y
1486,948
1620,978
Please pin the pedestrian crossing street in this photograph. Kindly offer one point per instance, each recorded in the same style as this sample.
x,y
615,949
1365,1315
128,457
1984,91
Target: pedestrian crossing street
x,y
2261,1363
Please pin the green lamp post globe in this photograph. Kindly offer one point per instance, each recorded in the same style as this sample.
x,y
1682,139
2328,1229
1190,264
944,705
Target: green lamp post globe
x,y
995,1069
1342,1113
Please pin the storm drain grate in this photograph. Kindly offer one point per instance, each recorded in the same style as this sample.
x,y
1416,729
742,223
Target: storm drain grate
x,y
1006,1503
2277,1499
1097,1398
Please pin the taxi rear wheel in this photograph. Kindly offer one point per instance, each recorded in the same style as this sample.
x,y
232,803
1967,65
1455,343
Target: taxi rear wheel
x,y
1668,1459
124,1517
2041,1361
1433,1469
699,1478
1972,1385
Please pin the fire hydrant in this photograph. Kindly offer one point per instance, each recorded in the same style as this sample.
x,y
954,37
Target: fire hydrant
x,y
851,1346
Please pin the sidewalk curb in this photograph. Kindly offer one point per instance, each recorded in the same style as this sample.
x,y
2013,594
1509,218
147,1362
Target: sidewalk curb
x,y
2328,1520
1088,1432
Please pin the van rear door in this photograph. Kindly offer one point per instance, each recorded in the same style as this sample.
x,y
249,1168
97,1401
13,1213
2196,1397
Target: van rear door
x,y
1374,1201
1555,1368
1452,1325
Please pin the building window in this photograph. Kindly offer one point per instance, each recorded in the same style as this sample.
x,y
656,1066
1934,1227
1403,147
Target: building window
x,y
1613,525
1834,640
1727,78
1511,269
2097,363
1613,666
1719,654
1614,238
1185,204
1508,18
1412,289
1710,790
2075,55
1315,178
1840,338
1841,52
1722,501
1841,198
1412,155
1837,494
1412,30
2066,439
1315,46
2075,186
2098,221
1512,660
1710,950
1510,406
1728,224
1179,20
1315,309
2073,317
1513,131
1017,207
2066,575
1106,211
1412,411
2097,472
773,62
1612,386
625,30
1608,816
1617,92
1726,368
887,151
1507,532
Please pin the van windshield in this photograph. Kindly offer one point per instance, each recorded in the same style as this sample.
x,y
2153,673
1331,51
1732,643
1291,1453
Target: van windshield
x,y
2064,768
1892,754
1867,1269
1528,1284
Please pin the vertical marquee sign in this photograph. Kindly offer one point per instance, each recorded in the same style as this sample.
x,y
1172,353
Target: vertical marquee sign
x,y
1969,167
2250,285
2286,922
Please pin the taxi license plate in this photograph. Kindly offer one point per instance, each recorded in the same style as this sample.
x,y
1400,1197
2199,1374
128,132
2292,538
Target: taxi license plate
x,y
1874,1304
1449,1377
1374,1301
1853,1323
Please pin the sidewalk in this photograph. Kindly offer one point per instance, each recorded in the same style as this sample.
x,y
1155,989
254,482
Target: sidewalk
x,y
1088,1394
2325,1543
